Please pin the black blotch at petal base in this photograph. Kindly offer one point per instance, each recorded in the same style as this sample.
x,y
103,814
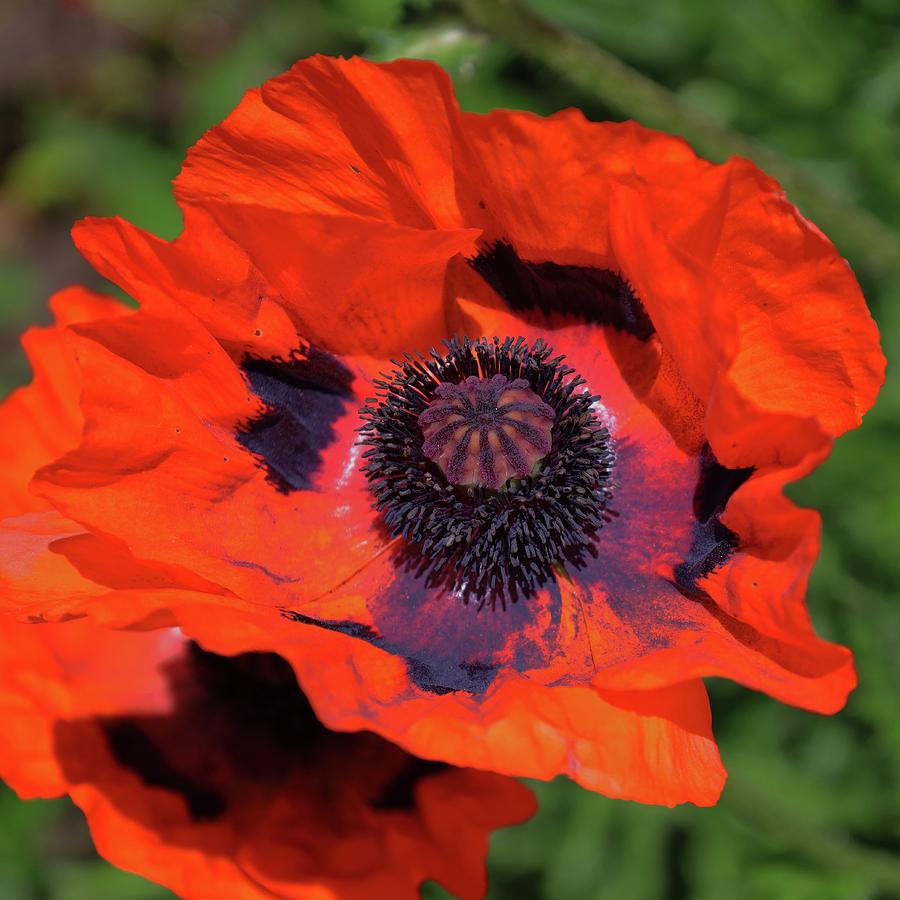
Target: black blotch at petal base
x,y
304,396
599,296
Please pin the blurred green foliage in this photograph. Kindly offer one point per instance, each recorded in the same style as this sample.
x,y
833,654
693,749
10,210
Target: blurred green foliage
x,y
99,99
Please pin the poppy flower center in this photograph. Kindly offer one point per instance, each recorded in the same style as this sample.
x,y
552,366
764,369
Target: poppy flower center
x,y
491,463
484,431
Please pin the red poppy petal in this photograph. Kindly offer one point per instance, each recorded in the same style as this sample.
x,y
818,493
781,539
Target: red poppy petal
x,y
41,421
162,457
365,153
543,184
208,273
350,138
38,690
259,798
383,283
52,569
653,746
762,284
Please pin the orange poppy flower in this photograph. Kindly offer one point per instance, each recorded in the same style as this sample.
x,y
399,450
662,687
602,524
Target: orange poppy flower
x,y
402,534
212,776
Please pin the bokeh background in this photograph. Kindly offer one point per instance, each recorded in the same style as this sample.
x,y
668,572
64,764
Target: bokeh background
x,y
100,98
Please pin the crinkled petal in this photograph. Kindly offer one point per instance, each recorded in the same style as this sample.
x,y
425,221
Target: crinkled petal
x,y
212,776
52,569
653,746
42,420
763,286
352,139
170,448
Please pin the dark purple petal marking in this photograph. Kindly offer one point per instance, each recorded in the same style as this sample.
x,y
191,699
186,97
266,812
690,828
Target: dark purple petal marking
x,y
399,794
249,725
304,396
437,675
713,541
595,295
137,752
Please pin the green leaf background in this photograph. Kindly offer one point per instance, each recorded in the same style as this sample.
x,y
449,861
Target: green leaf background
x,y
100,98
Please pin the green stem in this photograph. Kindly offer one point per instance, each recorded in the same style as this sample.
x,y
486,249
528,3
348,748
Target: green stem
x,y
602,75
